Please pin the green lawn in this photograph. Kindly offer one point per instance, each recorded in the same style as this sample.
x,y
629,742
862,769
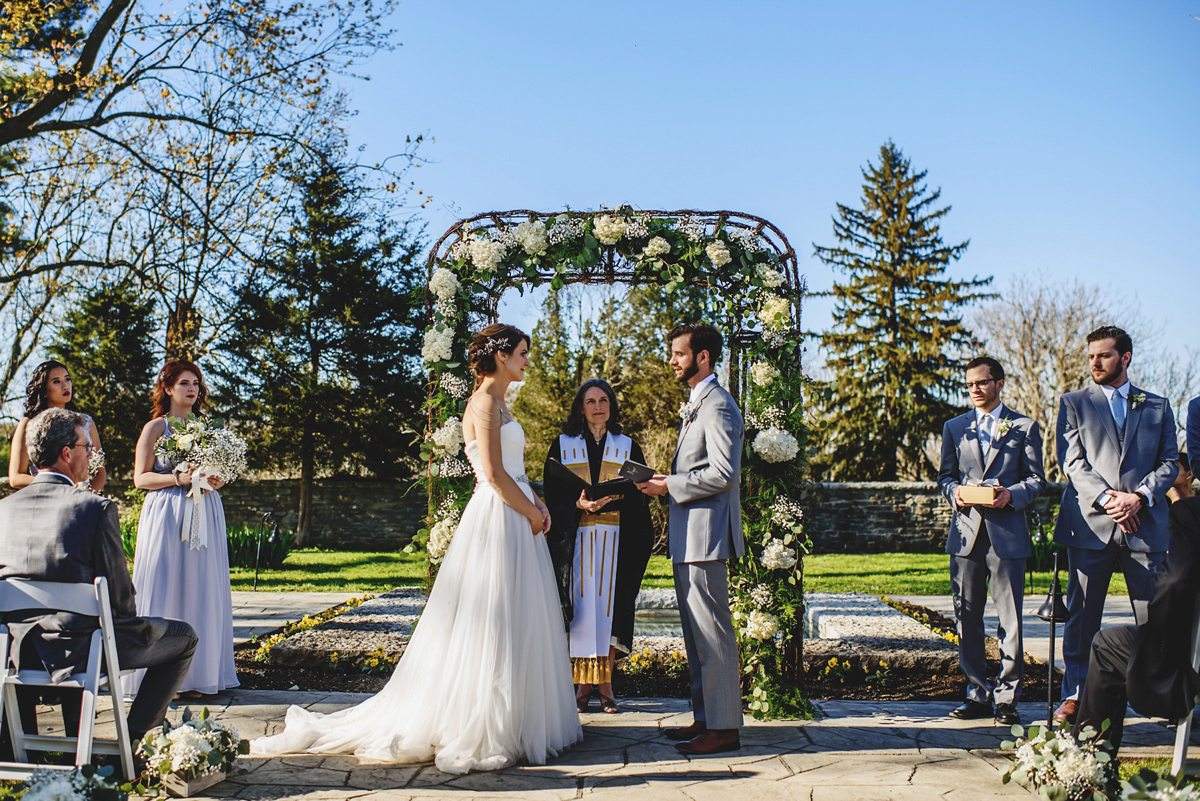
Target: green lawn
x,y
880,574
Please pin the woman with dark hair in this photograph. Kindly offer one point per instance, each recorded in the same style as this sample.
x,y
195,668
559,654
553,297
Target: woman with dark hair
x,y
183,578
484,681
50,387
601,546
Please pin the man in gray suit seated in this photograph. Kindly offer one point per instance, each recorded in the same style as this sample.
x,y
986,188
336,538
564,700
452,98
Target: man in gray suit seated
x,y
51,531
705,530
988,543
1116,445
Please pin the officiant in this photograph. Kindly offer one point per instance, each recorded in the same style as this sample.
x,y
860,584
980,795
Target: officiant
x,y
600,538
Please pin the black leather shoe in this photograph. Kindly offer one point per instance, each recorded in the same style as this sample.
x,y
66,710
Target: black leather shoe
x,y
972,710
1006,715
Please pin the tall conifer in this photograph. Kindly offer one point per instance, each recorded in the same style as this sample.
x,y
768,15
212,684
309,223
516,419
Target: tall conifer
x,y
897,341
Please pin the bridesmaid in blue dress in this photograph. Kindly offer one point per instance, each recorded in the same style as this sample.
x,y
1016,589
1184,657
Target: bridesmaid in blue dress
x,y
50,387
184,579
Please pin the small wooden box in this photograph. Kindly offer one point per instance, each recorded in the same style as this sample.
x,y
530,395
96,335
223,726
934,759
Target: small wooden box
x,y
980,495
184,788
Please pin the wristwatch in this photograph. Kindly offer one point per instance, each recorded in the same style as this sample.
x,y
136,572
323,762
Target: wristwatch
x,y
1142,497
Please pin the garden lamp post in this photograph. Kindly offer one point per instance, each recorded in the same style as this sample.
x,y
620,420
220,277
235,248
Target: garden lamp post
x,y
1052,610
1038,539
267,520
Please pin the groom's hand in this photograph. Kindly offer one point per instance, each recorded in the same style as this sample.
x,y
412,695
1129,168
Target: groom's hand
x,y
655,486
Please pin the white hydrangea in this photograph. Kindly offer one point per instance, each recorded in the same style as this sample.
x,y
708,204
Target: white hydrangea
x,y
761,625
533,237
776,445
718,253
457,386
656,247
775,312
770,277
609,228
777,556
438,346
486,255
762,373
441,533
444,284
449,437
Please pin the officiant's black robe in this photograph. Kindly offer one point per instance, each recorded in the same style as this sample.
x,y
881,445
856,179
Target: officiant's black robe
x,y
637,538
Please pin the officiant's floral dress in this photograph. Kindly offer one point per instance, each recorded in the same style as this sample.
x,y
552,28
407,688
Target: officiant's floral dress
x,y
177,580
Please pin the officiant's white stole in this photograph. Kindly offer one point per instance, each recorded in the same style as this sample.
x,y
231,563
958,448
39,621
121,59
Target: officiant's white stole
x,y
594,573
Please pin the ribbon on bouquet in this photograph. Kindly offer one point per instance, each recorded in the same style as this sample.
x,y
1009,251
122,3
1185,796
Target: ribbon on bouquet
x,y
195,522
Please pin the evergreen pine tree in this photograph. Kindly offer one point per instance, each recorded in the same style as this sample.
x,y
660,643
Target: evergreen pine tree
x,y
106,341
897,341
324,357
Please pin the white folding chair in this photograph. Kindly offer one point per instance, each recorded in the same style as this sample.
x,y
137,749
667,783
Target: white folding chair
x,y
99,675
1183,729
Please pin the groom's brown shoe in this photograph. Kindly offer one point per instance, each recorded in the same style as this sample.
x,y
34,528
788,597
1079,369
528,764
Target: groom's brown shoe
x,y
686,732
713,741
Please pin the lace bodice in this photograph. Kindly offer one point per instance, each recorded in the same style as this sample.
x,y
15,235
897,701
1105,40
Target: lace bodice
x,y
512,450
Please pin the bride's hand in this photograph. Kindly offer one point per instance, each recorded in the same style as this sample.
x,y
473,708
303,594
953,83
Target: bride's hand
x,y
536,520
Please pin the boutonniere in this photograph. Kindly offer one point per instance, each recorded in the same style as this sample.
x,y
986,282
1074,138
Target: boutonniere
x,y
687,411
1003,427
1137,399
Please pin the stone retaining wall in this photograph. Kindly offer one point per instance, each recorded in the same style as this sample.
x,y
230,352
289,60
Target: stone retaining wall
x,y
861,517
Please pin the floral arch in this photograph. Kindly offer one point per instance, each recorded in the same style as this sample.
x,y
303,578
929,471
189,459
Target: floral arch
x,y
750,263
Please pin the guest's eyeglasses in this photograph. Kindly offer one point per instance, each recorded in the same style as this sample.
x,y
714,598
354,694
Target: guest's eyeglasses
x,y
87,446
970,385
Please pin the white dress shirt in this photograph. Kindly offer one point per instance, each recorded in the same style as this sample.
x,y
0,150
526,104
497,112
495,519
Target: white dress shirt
x,y
696,389
1122,392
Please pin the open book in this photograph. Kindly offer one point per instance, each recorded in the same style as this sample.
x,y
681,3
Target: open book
x,y
614,486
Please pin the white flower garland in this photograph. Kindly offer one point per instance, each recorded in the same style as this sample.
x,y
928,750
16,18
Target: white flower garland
x,y
718,254
609,228
438,346
762,373
533,237
656,247
776,445
777,556
449,437
775,312
761,625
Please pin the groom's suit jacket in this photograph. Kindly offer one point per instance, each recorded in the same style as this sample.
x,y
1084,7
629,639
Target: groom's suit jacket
x,y
1094,459
1014,461
705,519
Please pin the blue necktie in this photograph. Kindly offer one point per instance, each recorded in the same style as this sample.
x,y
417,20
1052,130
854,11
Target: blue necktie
x,y
985,433
1118,410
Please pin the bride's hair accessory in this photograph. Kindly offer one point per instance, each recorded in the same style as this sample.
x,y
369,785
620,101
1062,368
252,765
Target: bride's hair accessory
x,y
491,345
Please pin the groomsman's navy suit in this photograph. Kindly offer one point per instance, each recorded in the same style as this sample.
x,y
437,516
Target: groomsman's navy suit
x,y
986,543
1193,432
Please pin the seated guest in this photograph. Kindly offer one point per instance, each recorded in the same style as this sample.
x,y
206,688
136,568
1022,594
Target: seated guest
x,y
1182,488
52,531
1150,666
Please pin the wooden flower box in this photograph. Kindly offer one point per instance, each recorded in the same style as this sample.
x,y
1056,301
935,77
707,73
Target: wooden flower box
x,y
185,788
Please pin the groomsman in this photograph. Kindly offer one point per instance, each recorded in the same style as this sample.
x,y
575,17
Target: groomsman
x,y
1193,430
1116,444
989,542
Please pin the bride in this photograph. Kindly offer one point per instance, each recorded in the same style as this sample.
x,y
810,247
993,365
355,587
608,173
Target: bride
x,y
486,678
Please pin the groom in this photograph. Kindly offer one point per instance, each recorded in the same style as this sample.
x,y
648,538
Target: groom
x,y
704,530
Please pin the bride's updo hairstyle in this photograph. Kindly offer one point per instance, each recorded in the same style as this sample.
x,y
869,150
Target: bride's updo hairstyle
x,y
496,338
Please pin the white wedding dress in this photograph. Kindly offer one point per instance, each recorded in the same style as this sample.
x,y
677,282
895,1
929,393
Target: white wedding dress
x,y
486,678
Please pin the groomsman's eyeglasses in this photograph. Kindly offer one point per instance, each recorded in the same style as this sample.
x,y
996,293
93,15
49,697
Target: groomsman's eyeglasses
x,y
970,385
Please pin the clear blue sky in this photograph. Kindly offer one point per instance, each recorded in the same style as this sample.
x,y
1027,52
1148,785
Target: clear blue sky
x,y
1065,135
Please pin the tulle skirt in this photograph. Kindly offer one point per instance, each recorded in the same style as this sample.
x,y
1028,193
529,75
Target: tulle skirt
x,y
174,581
485,679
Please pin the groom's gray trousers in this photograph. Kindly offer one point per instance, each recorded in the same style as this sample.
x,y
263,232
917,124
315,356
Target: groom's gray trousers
x,y
712,652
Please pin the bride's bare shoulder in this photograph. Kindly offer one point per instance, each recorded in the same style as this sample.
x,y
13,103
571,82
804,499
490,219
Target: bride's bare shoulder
x,y
484,411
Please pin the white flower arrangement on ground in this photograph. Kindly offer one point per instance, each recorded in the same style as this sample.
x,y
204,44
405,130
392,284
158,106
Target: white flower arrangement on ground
x,y
761,625
449,438
443,531
718,253
774,313
785,512
1153,788
777,556
762,373
656,247
1056,764
532,237
87,783
438,346
455,385
193,747
485,255
609,229
776,445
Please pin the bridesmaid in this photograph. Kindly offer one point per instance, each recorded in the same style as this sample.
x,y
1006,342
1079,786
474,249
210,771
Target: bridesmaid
x,y
50,387
176,578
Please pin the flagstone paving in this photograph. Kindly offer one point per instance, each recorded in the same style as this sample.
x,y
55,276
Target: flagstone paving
x,y
856,750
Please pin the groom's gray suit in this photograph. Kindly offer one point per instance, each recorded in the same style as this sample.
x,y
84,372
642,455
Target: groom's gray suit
x,y
704,530
1096,457
990,543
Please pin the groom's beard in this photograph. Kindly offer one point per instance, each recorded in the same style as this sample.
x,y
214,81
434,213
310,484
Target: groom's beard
x,y
688,373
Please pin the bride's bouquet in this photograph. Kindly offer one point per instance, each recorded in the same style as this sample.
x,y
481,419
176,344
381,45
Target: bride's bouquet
x,y
207,450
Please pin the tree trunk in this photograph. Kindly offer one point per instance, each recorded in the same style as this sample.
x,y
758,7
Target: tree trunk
x,y
183,329
307,471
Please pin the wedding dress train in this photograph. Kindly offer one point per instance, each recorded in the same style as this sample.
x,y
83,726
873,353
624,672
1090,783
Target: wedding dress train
x,y
486,678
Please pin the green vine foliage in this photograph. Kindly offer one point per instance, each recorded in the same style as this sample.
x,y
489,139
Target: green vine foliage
x,y
748,264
